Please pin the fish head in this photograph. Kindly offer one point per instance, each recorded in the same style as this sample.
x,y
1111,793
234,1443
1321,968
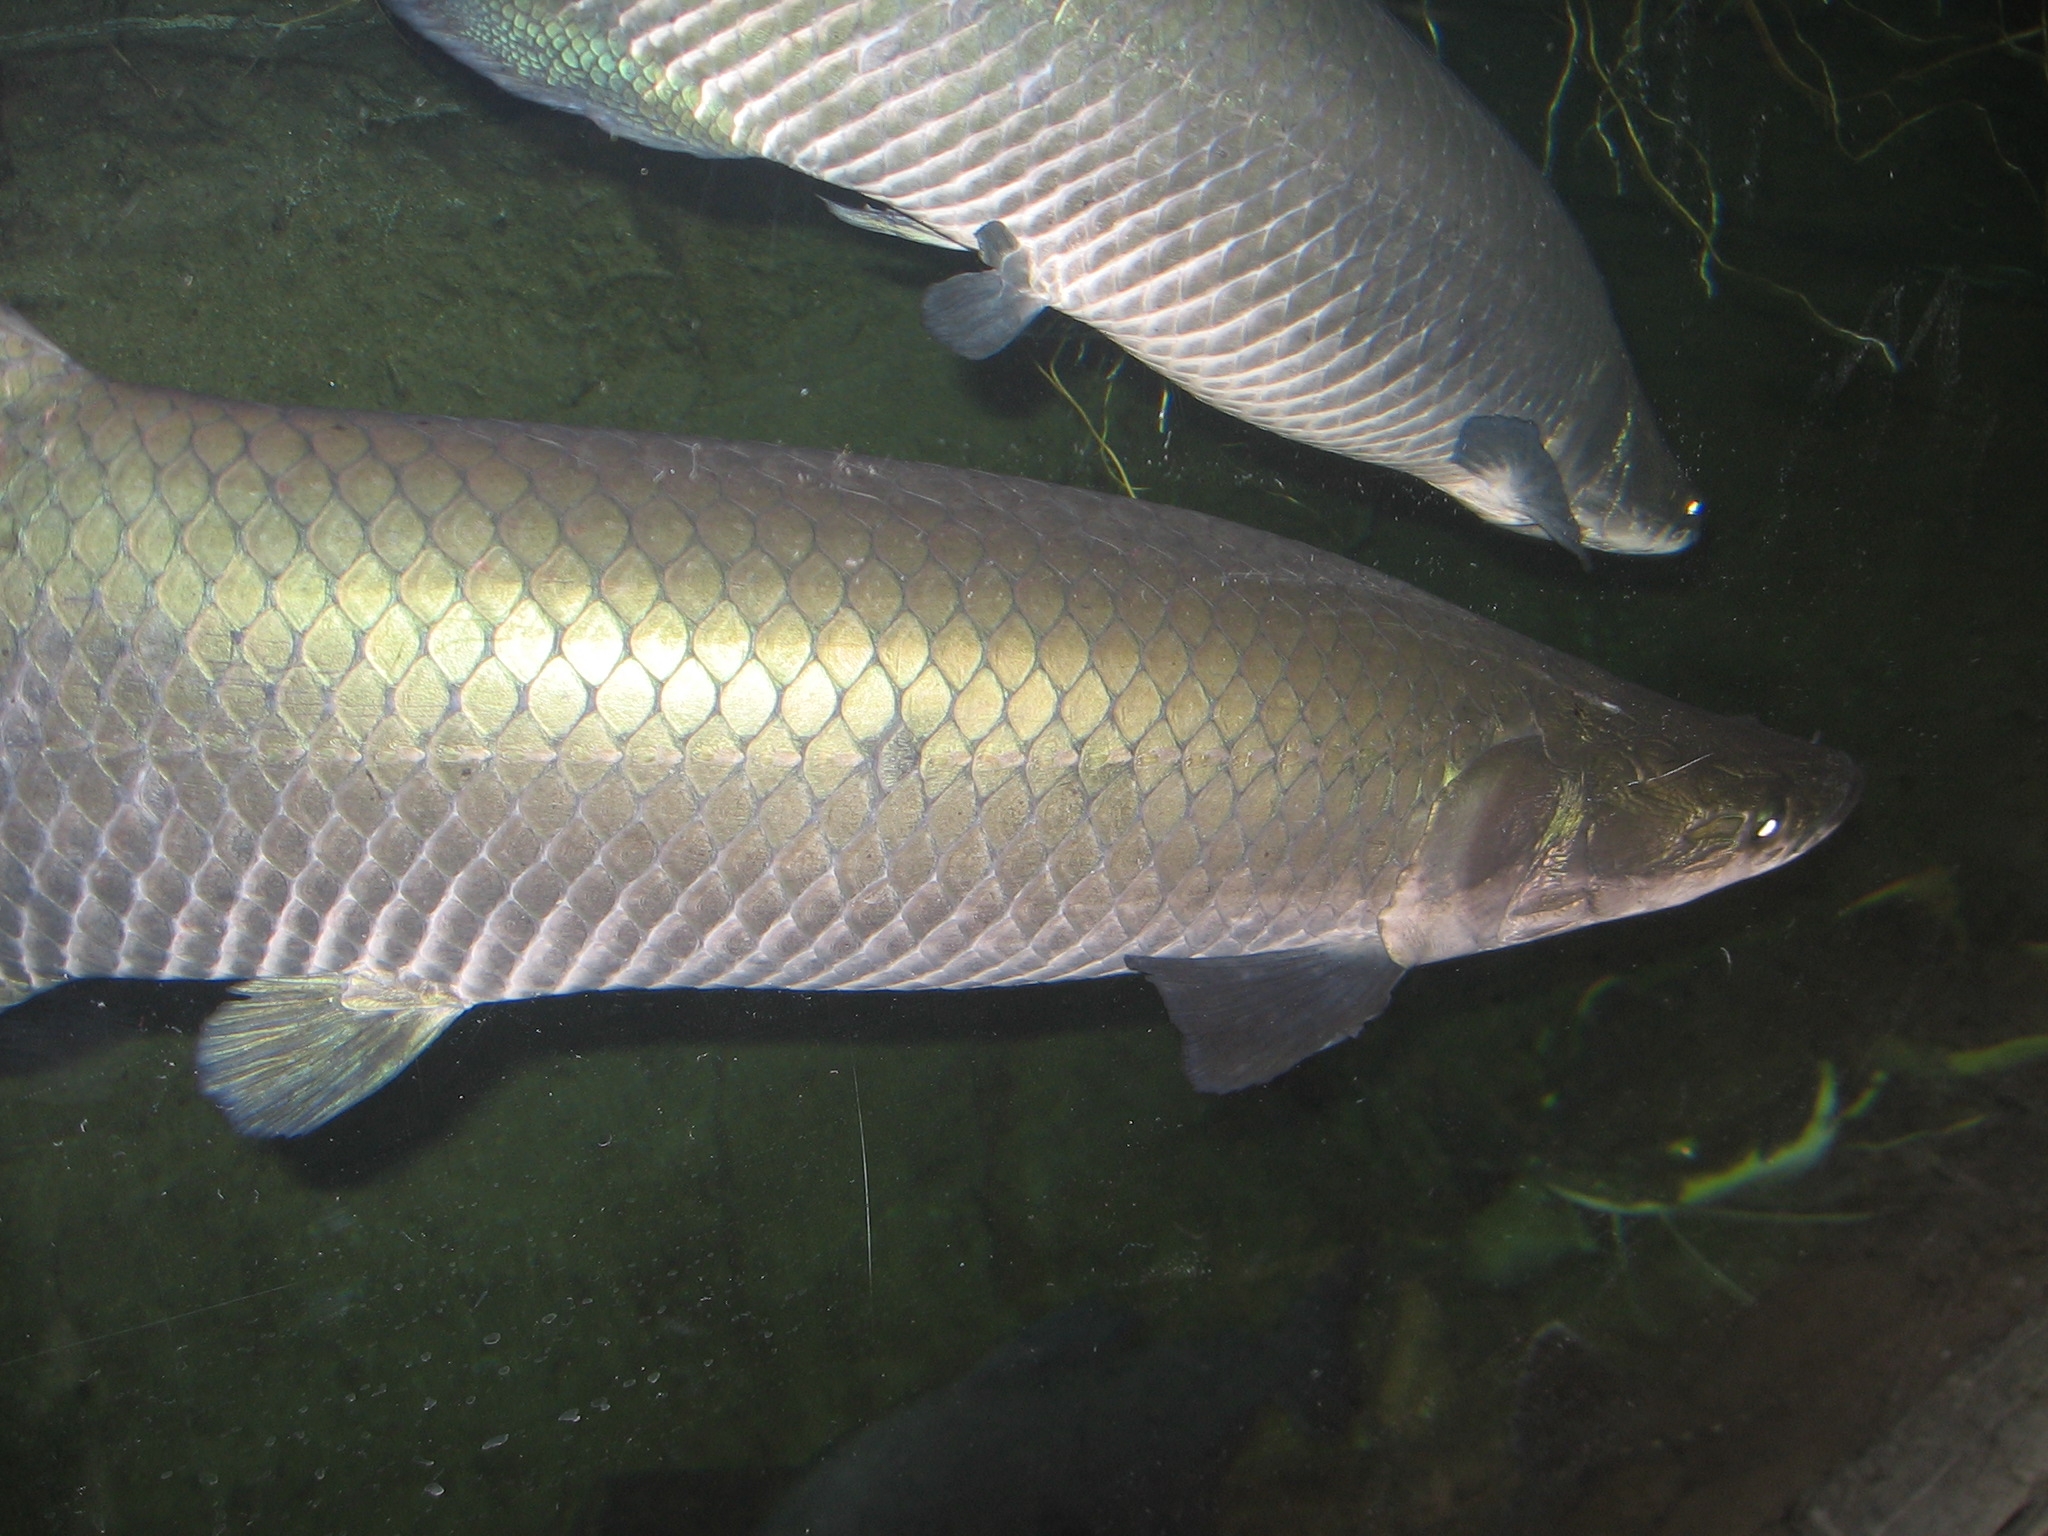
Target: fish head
x,y
1643,503
1579,484
1618,803
1676,813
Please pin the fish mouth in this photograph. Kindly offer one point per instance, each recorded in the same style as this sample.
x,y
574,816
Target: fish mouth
x,y
1652,510
1615,536
1820,789
1618,536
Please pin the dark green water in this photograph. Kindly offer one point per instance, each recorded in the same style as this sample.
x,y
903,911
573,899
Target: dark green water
x,y
628,1265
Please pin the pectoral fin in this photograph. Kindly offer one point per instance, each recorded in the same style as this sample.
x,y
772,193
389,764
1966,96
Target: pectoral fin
x,y
1495,825
284,1057
978,314
1245,1019
1508,452
878,220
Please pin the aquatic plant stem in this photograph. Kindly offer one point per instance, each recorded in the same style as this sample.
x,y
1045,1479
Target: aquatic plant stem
x,y
1564,80
1099,434
1713,1272
1622,102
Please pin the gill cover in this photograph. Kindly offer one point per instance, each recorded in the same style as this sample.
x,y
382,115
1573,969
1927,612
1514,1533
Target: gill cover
x,y
1618,802
1510,817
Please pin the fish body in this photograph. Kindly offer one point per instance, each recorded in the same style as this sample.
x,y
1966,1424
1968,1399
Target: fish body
x,y
1076,1425
390,715
1291,211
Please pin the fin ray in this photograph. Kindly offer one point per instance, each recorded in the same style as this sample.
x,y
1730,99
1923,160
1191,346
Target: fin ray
x,y
1509,452
1245,1019
977,314
878,219
285,1056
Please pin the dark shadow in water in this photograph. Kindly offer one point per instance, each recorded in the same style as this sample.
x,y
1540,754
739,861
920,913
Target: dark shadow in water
x,y
1010,385
695,1502
430,1101
1572,1413
71,1024
1077,1424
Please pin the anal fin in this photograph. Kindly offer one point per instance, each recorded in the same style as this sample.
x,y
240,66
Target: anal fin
x,y
880,220
978,314
283,1057
1245,1019
1509,452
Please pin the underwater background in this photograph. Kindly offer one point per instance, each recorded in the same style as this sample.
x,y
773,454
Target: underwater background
x,y
631,1263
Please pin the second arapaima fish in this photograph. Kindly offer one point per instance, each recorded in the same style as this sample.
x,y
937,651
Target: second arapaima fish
x,y
1288,208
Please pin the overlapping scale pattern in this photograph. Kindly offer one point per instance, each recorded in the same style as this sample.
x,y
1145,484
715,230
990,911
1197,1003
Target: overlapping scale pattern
x,y
1290,210
521,710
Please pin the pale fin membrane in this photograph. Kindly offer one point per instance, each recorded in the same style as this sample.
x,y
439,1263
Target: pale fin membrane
x,y
1508,452
283,1057
1245,1019
977,314
879,220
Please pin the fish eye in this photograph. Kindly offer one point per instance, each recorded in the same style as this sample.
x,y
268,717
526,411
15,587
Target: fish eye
x,y
1768,827
1695,507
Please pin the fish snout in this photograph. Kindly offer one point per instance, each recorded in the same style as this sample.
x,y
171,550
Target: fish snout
x,y
1645,536
1822,799
1651,508
1663,525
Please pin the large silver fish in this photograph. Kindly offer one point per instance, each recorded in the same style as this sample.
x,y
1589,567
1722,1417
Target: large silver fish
x,y
1286,207
397,714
